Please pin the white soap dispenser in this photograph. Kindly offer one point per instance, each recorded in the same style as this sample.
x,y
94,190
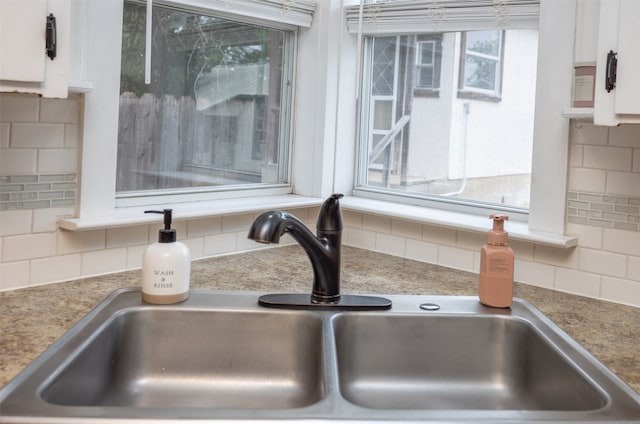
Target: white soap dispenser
x,y
166,267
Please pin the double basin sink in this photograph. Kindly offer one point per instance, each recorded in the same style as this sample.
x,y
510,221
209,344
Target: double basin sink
x,y
221,356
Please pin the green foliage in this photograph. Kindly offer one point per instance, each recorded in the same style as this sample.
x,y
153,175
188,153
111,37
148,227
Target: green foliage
x,y
184,46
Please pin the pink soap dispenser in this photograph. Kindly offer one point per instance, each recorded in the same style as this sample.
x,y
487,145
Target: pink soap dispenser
x,y
496,267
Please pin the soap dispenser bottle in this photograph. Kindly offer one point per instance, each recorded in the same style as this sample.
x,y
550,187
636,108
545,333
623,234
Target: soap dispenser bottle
x,y
166,267
496,267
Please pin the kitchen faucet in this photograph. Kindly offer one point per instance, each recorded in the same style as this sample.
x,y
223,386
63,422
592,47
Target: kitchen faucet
x,y
324,251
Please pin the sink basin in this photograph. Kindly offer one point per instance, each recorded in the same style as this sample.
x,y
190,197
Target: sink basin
x,y
456,362
221,356
157,358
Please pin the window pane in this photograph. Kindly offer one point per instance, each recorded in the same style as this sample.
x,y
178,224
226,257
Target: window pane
x,y
212,115
487,42
467,149
480,73
426,53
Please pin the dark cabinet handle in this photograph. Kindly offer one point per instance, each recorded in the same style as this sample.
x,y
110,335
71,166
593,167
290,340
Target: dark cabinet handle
x,y
612,70
51,37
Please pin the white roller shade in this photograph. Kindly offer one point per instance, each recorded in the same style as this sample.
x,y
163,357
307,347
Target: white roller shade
x,y
290,12
411,16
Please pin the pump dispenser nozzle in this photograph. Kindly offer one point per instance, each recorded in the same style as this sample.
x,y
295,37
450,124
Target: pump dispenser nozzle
x,y
168,234
498,236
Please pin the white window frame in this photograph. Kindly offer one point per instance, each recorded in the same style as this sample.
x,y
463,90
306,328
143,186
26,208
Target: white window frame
x,y
497,83
546,216
421,65
323,159
97,194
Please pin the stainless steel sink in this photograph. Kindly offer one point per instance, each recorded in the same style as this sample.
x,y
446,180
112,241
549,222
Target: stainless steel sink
x,y
221,356
157,358
457,362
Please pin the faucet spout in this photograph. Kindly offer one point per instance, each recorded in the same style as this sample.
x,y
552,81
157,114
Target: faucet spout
x,y
323,249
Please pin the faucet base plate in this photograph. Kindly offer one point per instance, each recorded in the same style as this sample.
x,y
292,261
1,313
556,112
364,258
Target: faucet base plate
x,y
303,301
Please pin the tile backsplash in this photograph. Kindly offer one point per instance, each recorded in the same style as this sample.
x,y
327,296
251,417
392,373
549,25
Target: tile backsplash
x,y
39,146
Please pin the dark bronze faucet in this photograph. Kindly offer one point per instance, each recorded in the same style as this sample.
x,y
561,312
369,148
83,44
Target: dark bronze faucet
x,y
324,251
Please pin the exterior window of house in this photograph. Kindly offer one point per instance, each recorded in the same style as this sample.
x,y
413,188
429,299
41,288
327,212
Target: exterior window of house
x,y
455,147
481,67
425,64
215,113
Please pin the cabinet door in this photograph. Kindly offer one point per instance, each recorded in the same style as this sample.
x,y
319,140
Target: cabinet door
x,y
628,81
619,31
24,65
22,40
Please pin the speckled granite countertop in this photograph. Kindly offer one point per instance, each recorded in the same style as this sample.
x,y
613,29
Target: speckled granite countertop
x,y
32,319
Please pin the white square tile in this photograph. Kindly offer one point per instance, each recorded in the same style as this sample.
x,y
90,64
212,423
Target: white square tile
x,y
453,257
196,247
588,236
589,134
407,229
352,219
80,241
377,223
581,179
471,241
14,222
127,236
633,268
576,152
600,262
19,107
59,110
234,223
134,256
625,183
204,226
577,282
390,244
621,291
72,136
47,219
625,135
104,261
33,135
4,135
219,244
609,158
636,160
56,268
439,235
14,275
421,251
619,241
522,249
57,160
360,238
535,274
29,246
18,161
567,258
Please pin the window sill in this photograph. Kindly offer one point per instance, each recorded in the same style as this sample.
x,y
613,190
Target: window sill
x,y
455,220
123,217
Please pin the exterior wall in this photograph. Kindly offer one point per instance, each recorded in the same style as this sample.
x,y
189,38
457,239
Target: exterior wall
x,y
605,164
437,127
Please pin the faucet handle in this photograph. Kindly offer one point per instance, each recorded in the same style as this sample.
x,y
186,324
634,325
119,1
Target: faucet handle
x,y
330,217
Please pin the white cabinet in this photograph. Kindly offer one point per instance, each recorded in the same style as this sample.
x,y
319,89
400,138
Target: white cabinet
x,y
618,32
24,64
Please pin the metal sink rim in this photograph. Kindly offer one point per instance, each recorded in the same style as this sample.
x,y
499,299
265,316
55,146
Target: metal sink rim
x,y
333,405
